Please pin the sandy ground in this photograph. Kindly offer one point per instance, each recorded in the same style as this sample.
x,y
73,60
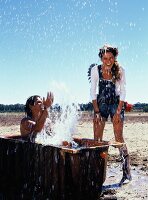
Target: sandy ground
x,y
136,137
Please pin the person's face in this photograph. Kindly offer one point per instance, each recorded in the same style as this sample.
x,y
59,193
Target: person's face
x,y
38,101
108,59
37,104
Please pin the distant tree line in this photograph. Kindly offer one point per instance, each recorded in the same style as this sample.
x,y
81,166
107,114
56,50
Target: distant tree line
x,y
12,108
140,107
143,107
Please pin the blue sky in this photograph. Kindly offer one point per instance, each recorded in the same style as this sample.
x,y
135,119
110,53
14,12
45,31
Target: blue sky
x,y
48,45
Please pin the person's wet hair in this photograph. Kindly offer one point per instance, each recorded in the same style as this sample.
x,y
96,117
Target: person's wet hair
x,y
30,101
115,68
108,48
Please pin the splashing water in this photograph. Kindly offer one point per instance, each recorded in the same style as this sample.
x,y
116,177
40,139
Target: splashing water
x,y
63,118
63,128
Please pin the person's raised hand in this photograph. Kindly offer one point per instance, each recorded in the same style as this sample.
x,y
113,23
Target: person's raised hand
x,y
49,100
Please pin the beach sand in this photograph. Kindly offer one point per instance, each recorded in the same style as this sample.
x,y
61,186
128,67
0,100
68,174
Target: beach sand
x,y
136,138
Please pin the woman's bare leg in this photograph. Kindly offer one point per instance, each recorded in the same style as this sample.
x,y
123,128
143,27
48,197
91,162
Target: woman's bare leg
x,y
118,131
98,127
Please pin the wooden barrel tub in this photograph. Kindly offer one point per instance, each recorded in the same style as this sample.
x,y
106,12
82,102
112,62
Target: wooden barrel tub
x,y
34,171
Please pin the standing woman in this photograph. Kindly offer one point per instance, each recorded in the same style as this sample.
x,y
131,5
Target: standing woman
x,y
109,79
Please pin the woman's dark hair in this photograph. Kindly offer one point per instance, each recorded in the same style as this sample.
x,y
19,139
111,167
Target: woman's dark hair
x,y
108,48
115,68
30,101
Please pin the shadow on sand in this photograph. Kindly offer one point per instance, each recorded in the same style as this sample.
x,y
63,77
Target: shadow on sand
x,y
109,191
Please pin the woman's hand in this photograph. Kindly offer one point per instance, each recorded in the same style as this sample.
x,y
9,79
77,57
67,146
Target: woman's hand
x,y
49,100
